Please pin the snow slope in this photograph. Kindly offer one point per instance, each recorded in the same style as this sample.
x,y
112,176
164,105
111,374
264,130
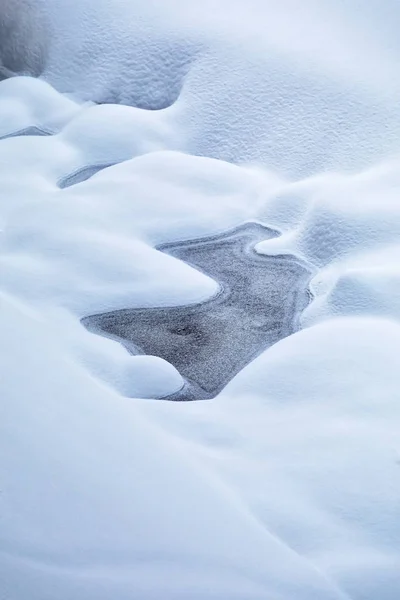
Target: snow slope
x,y
286,486
301,86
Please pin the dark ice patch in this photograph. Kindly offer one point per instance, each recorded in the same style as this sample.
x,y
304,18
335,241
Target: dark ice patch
x,y
259,303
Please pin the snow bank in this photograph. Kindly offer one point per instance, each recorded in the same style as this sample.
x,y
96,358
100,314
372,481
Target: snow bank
x,y
99,501
326,407
301,88
31,106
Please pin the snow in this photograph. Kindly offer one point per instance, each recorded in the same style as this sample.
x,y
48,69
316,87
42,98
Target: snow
x,y
85,470
29,104
301,87
286,485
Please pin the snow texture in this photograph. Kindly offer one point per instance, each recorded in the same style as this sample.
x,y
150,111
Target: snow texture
x,y
24,37
286,485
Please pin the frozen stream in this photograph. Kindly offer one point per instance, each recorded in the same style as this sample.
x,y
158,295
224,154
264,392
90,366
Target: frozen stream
x,y
259,302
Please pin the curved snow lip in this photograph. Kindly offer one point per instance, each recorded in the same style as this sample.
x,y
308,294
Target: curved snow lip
x,y
259,303
83,174
33,130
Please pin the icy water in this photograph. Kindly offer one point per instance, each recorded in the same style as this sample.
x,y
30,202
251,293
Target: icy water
x,y
259,303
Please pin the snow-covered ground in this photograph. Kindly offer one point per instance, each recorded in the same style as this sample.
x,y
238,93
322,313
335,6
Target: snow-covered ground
x,y
286,486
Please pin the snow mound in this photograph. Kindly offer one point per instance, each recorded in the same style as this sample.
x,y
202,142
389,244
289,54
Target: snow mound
x,y
133,499
30,106
319,413
299,88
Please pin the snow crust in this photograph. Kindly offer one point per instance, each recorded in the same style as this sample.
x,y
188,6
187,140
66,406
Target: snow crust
x,y
286,486
302,87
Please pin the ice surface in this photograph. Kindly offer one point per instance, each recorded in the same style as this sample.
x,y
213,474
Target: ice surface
x,y
259,302
286,485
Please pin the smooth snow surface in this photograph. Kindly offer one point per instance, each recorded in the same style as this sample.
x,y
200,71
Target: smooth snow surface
x,y
286,486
